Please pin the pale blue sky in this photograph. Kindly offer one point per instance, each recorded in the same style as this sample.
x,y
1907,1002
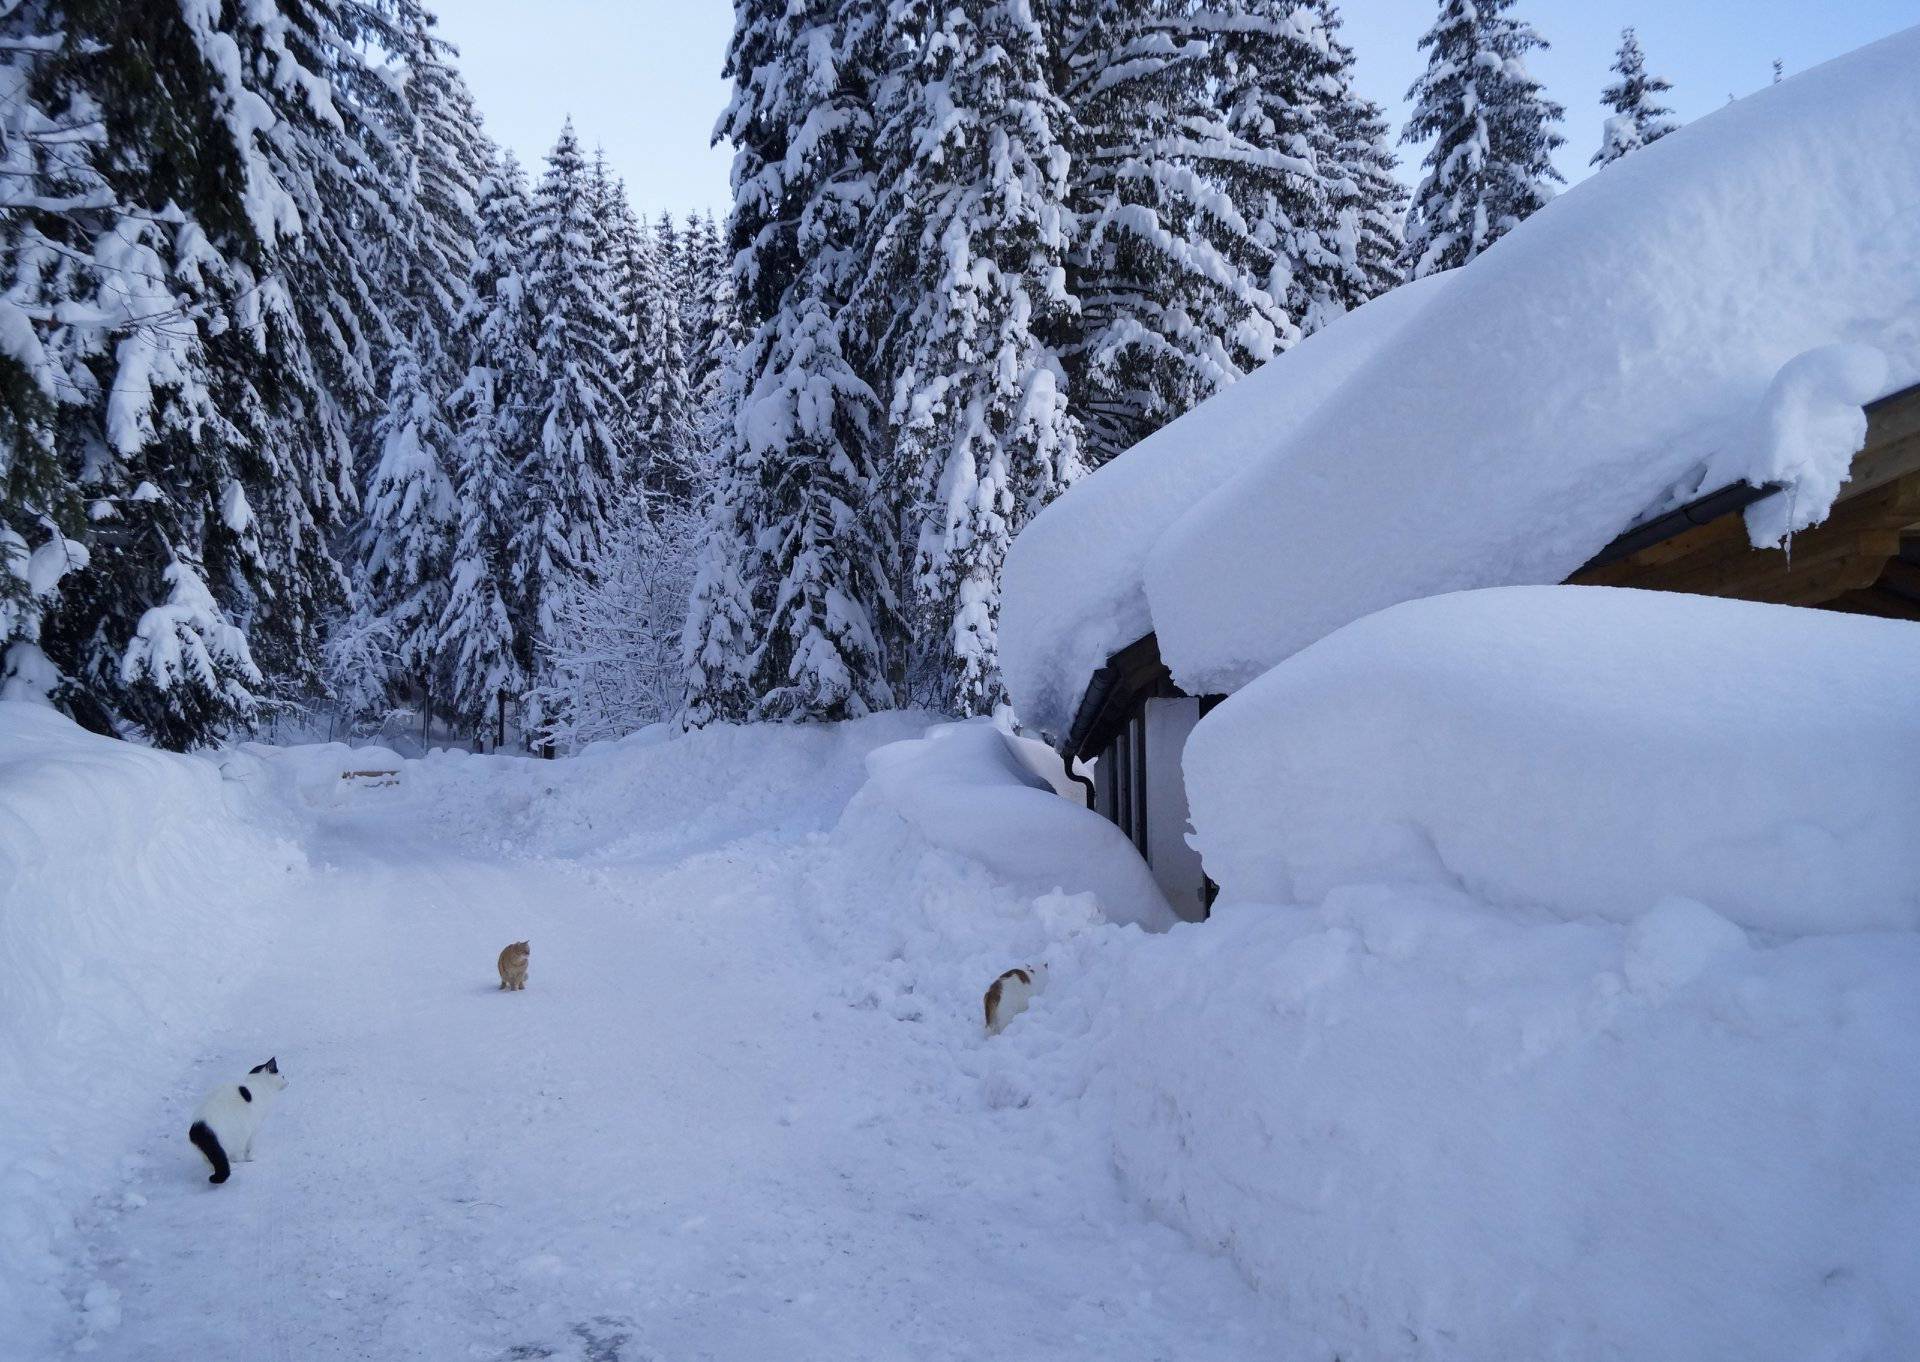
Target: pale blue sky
x,y
642,77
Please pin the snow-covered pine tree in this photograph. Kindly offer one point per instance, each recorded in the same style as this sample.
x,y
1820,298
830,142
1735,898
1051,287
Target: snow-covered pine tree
x,y
449,155
409,523
342,143
1638,117
1493,130
1276,154
484,644
626,249
972,240
57,200
721,634
186,405
718,343
669,458
1173,304
1369,202
408,527
699,259
570,479
792,610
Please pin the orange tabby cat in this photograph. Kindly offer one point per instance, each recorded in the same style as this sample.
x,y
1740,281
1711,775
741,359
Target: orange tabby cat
x,y
513,966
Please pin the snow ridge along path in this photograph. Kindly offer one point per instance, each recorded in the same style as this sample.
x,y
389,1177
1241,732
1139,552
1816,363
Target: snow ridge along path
x,y
742,1110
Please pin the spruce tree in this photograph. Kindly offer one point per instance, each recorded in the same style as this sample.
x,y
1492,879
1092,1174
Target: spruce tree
x,y
717,343
1368,200
666,416
975,235
1493,130
571,477
484,643
1274,153
699,263
1638,116
794,552
1175,286
627,273
449,155
409,523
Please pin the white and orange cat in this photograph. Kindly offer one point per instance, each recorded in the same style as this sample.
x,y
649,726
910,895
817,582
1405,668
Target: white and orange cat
x,y
1008,996
224,1127
513,966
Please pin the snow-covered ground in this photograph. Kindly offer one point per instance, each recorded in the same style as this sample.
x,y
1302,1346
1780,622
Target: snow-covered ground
x,y
742,1110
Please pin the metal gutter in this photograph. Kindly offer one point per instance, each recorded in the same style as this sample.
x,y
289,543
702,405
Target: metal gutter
x,y
1700,511
1086,719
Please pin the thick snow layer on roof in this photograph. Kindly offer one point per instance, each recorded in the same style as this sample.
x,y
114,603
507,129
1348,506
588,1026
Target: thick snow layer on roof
x,y
1585,750
1074,590
1713,308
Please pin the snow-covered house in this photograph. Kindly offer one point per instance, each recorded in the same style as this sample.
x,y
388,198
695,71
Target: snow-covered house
x,y
1696,371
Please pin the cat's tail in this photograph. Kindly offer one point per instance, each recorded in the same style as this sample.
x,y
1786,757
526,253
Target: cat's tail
x,y
209,1144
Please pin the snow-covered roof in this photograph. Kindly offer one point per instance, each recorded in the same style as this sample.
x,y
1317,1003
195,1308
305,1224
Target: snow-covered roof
x,y
1714,308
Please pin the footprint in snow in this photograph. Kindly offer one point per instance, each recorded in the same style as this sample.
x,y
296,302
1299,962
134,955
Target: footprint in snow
x,y
601,1339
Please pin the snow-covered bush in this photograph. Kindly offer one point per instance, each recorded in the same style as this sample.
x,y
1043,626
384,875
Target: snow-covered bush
x,y
613,654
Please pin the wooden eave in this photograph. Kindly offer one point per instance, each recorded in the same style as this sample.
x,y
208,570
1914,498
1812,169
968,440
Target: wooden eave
x,y
1861,558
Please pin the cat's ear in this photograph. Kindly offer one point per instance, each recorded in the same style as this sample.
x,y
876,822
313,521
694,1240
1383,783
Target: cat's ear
x,y
273,1066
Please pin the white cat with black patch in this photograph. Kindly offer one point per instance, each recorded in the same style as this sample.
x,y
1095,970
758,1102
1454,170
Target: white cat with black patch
x,y
224,1127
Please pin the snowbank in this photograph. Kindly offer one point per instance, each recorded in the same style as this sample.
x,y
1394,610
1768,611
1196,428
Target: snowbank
x,y
1581,749
1712,309
134,889
964,790
727,783
1430,1130
1423,1126
1074,579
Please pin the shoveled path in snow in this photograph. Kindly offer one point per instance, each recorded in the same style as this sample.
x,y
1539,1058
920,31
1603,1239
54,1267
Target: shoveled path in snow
x,y
680,1142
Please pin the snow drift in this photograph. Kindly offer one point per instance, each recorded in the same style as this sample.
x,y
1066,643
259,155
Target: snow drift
x,y
1712,309
1581,749
963,789
134,890
1427,1129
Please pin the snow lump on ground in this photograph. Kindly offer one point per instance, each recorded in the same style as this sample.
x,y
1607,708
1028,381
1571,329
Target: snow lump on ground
x,y
1589,751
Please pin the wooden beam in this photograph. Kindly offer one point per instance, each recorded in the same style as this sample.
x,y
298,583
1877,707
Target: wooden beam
x,y
1716,559
1878,601
1819,583
1902,578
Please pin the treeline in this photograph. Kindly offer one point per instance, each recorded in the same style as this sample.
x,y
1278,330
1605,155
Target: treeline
x,y
307,399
